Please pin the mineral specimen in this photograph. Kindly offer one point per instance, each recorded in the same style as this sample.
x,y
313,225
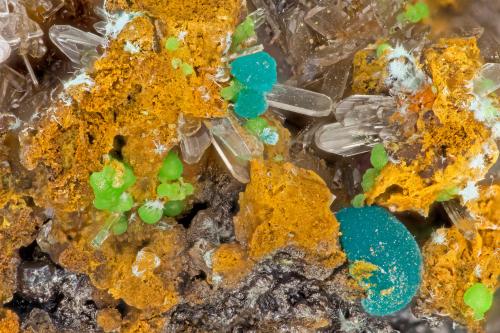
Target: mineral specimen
x,y
274,213
168,166
385,259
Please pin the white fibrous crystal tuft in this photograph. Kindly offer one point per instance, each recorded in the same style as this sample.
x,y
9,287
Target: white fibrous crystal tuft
x,y
496,130
81,78
478,271
398,52
438,237
154,204
477,162
159,148
470,192
484,110
131,48
207,257
404,75
145,261
182,35
116,22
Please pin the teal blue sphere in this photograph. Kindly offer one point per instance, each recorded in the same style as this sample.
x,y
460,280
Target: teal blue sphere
x,y
255,71
372,234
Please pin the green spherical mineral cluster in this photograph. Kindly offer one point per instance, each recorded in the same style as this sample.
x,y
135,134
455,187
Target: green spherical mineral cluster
x,y
479,298
109,186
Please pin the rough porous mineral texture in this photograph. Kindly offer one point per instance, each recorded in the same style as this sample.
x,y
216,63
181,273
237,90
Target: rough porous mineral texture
x,y
18,221
441,134
135,100
454,262
277,210
282,293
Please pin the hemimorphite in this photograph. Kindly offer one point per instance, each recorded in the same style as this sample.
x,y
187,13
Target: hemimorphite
x,y
255,71
373,236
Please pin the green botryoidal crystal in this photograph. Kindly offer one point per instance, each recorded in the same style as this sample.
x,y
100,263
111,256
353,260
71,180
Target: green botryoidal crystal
x,y
151,211
382,48
378,157
447,194
369,178
414,13
109,186
186,69
358,201
230,93
171,168
243,31
175,190
373,236
172,44
174,208
479,298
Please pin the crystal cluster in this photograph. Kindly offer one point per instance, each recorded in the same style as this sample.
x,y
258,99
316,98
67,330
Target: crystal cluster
x,y
323,165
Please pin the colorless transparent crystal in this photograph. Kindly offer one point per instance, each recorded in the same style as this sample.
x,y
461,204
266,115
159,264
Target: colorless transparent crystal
x,y
258,17
13,87
245,52
344,141
101,237
487,80
50,7
30,69
269,19
76,44
4,8
100,27
325,20
363,122
300,101
5,50
105,231
460,217
366,109
234,146
15,25
193,146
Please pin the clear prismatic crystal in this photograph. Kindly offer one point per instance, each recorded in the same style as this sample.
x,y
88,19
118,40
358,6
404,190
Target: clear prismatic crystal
x,y
79,46
235,147
5,50
194,140
362,123
300,101
13,87
21,33
487,80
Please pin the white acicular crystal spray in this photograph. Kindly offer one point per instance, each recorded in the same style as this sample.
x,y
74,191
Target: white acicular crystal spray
x,y
131,47
145,261
81,78
404,75
470,192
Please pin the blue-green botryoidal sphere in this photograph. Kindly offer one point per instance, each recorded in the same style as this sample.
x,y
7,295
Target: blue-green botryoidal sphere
x,y
374,236
255,71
